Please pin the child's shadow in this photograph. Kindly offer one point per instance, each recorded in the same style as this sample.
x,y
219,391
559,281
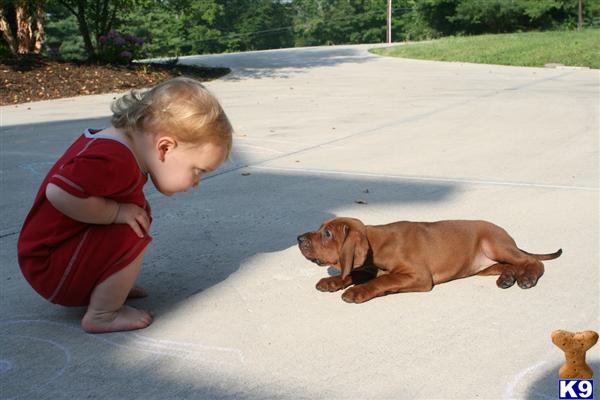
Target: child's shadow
x,y
202,237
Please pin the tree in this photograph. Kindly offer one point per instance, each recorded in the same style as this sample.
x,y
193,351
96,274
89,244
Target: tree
x,y
22,25
495,16
95,18
200,22
181,27
256,24
161,28
339,21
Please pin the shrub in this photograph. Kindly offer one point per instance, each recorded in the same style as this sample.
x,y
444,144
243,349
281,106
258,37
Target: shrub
x,y
116,48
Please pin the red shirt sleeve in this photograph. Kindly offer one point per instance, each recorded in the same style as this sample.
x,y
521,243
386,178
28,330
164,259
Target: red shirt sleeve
x,y
106,168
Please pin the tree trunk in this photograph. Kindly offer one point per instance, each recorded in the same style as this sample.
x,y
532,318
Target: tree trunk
x,y
111,21
24,33
85,32
40,33
7,33
77,8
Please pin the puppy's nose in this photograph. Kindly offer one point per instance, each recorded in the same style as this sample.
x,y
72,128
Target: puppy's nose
x,y
301,239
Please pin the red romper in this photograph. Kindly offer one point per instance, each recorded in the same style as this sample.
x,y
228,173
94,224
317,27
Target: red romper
x,y
64,259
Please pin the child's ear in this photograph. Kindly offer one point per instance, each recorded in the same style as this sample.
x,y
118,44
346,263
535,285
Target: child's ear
x,y
164,144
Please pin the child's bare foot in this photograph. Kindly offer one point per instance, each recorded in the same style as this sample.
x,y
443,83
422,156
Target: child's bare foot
x,y
137,292
125,319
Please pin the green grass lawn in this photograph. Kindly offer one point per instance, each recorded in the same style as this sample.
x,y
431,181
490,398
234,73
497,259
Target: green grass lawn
x,y
531,49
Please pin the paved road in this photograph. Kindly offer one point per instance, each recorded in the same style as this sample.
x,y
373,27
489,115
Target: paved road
x,y
320,131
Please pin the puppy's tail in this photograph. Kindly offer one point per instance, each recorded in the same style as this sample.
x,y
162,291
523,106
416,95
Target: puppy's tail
x,y
545,257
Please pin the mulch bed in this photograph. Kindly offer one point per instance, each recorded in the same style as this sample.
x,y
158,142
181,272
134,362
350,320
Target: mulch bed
x,y
33,78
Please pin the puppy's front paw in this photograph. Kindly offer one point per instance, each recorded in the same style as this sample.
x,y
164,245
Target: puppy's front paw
x,y
331,284
356,295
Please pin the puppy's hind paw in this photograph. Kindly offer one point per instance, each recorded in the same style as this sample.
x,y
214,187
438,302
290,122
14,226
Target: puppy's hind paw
x,y
506,280
526,282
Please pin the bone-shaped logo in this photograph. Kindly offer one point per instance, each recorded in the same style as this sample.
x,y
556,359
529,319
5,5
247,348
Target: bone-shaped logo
x,y
575,345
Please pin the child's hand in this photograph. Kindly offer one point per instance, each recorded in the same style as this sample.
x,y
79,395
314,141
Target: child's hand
x,y
134,216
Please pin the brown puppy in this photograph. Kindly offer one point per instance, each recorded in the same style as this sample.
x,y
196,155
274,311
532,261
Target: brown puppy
x,y
414,256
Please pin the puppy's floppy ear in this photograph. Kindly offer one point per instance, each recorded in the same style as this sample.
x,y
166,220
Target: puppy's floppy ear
x,y
354,250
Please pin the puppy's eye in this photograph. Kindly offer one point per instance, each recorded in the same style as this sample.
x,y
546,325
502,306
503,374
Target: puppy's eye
x,y
327,234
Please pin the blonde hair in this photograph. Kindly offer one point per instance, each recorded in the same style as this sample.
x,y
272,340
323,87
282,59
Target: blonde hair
x,y
181,107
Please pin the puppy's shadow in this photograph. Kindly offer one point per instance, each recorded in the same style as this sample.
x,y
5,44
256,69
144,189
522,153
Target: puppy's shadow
x,y
359,276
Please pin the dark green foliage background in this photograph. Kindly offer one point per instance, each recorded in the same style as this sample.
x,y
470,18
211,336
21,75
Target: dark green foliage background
x,y
173,28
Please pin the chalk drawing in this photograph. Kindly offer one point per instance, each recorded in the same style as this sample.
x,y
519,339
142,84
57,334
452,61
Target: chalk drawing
x,y
260,149
37,168
7,365
509,392
263,139
129,340
168,348
190,348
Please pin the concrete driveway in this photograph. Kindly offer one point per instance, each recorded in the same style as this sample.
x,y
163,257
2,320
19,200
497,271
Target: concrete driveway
x,y
323,132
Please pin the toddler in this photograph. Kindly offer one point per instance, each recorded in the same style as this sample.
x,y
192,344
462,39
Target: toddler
x,y
83,241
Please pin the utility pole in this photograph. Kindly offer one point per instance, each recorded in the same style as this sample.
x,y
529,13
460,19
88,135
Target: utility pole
x,y
389,20
580,19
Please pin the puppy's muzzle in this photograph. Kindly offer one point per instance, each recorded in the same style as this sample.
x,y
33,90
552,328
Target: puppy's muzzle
x,y
302,239
305,247
304,243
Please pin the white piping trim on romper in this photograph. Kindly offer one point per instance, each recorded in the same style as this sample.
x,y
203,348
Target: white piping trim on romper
x,y
88,134
69,182
70,265
85,147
